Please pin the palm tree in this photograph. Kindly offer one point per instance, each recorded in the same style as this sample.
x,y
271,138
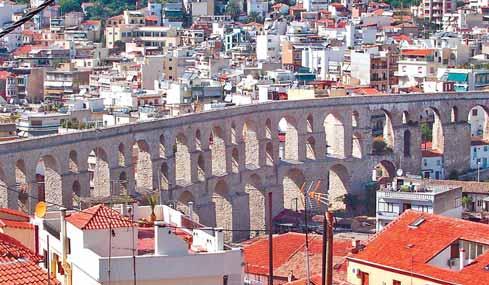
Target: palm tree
x,y
466,202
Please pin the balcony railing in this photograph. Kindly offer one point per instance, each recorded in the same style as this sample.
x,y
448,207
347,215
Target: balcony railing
x,y
414,196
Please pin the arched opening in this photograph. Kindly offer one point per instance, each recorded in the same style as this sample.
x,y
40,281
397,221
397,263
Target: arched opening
x,y
200,168
355,119
235,161
162,147
4,192
432,139
164,182
223,207
217,146
292,183
143,166
182,160
121,155
49,180
123,184
289,139
183,205
268,129
198,140
310,124
99,173
339,185
382,133
356,146
22,186
311,148
234,139
269,154
335,135
76,194
405,118
454,115
73,162
256,204
407,143
384,172
479,123
252,146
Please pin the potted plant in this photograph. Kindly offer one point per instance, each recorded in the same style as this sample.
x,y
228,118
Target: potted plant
x,y
152,200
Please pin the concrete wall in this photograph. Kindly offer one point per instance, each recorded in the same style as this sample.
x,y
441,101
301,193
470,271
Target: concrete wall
x,y
249,148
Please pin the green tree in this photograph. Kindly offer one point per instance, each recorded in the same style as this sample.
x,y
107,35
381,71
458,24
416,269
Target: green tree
x,y
233,9
97,12
67,6
426,131
254,17
466,201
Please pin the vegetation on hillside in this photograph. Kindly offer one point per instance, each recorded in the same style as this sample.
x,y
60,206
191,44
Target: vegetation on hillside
x,y
405,3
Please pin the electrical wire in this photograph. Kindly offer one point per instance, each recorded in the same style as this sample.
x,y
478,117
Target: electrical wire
x,y
125,220
27,17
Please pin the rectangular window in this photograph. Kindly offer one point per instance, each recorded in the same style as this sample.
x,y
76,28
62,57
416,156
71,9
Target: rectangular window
x,y
395,282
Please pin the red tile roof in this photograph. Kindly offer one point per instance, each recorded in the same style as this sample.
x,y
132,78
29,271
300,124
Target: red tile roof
x,y
97,218
18,265
15,213
417,52
5,74
407,249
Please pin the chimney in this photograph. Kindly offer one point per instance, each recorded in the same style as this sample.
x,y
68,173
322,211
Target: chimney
x,y
462,258
219,235
191,210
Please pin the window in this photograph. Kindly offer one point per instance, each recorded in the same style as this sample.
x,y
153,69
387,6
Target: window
x,y
438,162
395,282
479,203
68,245
474,112
425,162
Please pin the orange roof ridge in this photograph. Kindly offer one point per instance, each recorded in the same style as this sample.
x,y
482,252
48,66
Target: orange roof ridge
x,y
98,217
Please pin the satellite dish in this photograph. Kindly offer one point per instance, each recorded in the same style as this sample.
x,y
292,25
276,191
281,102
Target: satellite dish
x,y
41,209
399,172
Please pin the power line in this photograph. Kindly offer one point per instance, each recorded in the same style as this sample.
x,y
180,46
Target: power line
x,y
134,223
27,17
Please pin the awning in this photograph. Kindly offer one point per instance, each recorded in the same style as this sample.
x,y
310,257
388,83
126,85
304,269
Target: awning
x,y
457,77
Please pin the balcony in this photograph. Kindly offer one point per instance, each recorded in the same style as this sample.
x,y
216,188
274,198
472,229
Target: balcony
x,y
411,196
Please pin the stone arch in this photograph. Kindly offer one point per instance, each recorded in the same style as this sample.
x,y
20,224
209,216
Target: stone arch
x,y
432,137
49,182
382,132
121,155
217,145
252,145
310,123
355,119
164,180
4,191
183,205
478,119
256,204
339,186
407,143
182,160
454,114
335,135
385,171
292,183
76,194
198,140
311,148
73,161
99,173
268,129
143,166
287,127
405,118
269,159
357,145
123,183
21,185
200,167
223,207
235,160
162,146
234,134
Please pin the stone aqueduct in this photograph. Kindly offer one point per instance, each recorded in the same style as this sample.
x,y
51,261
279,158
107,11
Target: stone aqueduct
x,y
225,161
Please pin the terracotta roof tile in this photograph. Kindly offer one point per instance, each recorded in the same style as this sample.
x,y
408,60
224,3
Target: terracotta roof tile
x,y
97,218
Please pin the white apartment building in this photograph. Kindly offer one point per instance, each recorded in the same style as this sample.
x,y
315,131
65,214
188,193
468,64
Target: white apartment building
x,y
432,165
268,48
393,200
315,5
414,66
102,246
434,10
479,154
326,62
119,96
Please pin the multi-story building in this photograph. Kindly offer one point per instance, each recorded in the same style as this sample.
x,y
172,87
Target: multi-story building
x,y
268,47
33,124
153,36
414,66
393,200
371,67
479,153
100,245
326,62
64,81
435,9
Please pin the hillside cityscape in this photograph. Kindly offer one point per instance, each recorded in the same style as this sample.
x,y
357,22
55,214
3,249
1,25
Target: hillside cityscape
x,y
229,142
